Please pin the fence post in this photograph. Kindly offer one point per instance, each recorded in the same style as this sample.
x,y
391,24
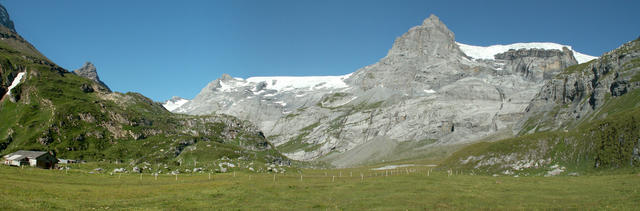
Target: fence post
x,y
333,178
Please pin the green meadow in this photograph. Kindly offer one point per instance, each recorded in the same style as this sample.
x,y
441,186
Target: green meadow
x,y
409,188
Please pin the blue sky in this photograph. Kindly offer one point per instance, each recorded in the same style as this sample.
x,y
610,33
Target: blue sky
x,y
174,48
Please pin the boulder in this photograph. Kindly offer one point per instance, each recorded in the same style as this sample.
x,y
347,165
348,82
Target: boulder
x,y
86,88
119,170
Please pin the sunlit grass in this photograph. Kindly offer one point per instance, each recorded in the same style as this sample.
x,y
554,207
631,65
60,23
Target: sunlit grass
x,y
351,189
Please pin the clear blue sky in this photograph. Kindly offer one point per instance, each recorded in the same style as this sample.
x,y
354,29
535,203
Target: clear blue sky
x,y
174,48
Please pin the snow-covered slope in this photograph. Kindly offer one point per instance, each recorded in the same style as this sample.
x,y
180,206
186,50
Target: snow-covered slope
x,y
481,52
15,82
288,83
174,103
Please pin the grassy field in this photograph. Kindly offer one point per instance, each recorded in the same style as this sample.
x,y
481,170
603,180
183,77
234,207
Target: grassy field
x,y
411,188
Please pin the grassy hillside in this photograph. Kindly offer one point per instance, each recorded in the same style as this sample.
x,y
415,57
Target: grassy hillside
x,y
410,189
73,117
610,144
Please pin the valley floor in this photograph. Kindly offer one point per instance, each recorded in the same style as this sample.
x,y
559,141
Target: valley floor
x,y
413,188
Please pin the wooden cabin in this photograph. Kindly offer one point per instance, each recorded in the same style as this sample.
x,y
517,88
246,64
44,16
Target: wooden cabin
x,y
38,159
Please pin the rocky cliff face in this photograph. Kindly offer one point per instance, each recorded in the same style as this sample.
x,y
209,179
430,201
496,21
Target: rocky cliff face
x,y
426,57
579,92
536,64
5,20
590,113
88,70
425,94
11,38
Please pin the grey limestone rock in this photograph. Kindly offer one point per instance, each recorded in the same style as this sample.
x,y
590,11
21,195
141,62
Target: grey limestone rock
x,y
425,95
574,95
537,64
88,70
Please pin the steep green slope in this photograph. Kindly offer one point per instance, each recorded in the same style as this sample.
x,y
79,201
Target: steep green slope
x,y
55,110
594,126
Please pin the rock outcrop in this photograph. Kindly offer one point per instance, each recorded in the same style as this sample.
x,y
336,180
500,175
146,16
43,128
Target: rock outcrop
x,y
573,95
536,64
425,94
585,118
88,70
426,57
5,20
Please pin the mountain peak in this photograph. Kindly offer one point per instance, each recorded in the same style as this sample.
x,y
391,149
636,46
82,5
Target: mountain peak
x,y
5,20
226,77
432,20
430,39
176,98
433,23
89,65
88,70
174,103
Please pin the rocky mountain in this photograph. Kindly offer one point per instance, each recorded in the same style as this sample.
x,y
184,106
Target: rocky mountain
x,y
427,97
5,20
75,116
12,42
573,96
173,103
88,70
586,118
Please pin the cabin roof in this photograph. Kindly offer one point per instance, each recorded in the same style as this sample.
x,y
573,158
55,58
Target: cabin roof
x,y
20,154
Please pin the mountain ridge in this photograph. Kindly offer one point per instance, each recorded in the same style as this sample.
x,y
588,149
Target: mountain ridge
x,y
426,93
584,120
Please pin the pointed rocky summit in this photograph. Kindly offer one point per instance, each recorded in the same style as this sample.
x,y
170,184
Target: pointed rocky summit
x,y
5,20
409,65
88,70
432,38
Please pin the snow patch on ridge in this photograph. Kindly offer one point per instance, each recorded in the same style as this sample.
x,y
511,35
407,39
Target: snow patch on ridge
x,y
288,83
15,82
171,105
488,52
